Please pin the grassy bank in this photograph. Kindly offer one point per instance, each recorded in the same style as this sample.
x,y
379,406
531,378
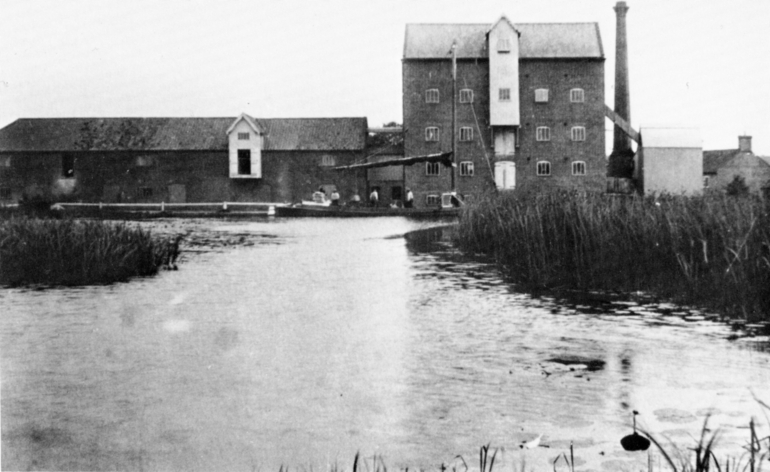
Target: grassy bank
x,y
712,252
70,252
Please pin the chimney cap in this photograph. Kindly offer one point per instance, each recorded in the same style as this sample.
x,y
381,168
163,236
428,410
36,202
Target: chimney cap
x,y
621,8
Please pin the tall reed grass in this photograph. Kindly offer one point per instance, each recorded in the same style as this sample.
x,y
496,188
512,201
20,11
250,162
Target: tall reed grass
x,y
70,252
709,251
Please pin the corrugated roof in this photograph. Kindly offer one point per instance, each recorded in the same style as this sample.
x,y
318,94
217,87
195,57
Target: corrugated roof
x,y
537,41
176,134
670,137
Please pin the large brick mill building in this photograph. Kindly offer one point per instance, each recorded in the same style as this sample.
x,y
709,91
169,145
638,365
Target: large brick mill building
x,y
529,104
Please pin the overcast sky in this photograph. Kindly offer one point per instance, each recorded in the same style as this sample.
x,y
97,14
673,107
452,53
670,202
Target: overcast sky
x,y
703,63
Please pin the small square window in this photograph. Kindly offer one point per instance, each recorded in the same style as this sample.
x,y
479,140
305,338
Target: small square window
x,y
577,95
146,192
145,161
432,200
466,133
328,161
466,169
466,96
5,193
543,168
503,45
541,95
431,133
543,133
431,96
5,161
244,161
705,181
578,133
578,168
243,136
432,168
504,94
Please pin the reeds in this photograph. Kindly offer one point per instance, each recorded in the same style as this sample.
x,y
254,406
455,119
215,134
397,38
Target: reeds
x,y
70,252
710,251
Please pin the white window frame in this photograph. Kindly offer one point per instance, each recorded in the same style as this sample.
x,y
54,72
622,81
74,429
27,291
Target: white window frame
x,y
578,133
432,199
543,133
503,45
577,95
466,169
466,133
543,168
432,96
432,134
504,94
466,96
578,168
244,136
541,95
432,168
327,160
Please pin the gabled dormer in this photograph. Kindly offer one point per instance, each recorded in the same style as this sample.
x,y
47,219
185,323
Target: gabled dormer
x,y
246,141
503,47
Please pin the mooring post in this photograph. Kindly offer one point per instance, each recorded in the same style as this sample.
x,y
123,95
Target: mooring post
x,y
162,207
271,210
224,206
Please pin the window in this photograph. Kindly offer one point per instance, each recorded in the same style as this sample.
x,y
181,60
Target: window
x,y
395,193
503,45
432,199
466,133
144,161
431,133
504,94
577,95
543,133
466,96
466,169
432,168
543,168
328,160
68,166
431,96
578,133
244,161
243,136
5,193
5,161
578,168
146,192
705,181
541,95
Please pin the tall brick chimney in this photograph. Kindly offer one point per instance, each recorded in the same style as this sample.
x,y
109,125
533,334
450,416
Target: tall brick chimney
x,y
744,143
622,157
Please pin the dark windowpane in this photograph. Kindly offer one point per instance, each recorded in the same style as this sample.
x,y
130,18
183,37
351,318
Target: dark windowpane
x,y
244,161
68,165
395,193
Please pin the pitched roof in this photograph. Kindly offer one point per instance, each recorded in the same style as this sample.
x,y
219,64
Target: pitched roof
x,y
713,160
177,134
537,40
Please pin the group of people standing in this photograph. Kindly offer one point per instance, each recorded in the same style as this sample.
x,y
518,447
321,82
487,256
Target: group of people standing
x,y
374,198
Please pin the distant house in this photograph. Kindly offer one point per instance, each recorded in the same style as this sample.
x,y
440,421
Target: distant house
x,y
179,160
721,167
669,161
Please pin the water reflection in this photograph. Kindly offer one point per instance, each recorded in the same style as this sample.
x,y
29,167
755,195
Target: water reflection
x,y
298,342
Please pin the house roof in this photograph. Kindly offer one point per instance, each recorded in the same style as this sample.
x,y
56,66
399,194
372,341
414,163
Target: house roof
x,y
537,40
713,160
177,134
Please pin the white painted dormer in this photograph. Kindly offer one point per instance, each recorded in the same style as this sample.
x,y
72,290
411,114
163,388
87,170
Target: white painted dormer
x,y
503,47
245,142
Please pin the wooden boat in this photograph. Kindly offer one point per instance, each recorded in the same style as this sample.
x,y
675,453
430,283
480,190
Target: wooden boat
x,y
450,208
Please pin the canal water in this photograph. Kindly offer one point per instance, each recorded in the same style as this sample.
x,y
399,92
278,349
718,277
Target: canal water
x,y
302,342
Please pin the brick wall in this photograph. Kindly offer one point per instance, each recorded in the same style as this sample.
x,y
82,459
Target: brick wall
x,y
146,177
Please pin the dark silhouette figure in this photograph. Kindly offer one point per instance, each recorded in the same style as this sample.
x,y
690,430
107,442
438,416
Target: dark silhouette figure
x,y
172,252
635,442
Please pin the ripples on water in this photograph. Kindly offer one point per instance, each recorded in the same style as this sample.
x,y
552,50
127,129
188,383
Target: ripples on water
x,y
301,342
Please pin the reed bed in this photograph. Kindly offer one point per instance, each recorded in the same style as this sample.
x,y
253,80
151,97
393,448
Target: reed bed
x,y
68,252
709,251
